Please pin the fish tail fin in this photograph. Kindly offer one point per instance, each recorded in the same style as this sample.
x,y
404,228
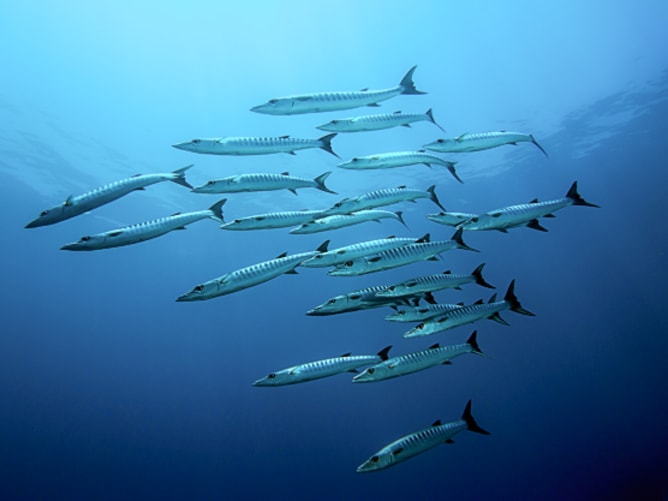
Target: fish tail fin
x,y
320,182
576,198
472,341
180,176
326,143
451,167
217,210
407,85
514,303
383,353
430,116
477,274
471,424
533,140
400,217
432,196
457,237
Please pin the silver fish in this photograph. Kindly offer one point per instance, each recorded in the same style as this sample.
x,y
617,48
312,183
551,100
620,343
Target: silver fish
x,y
337,100
263,182
381,198
481,141
337,221
398,159
378,122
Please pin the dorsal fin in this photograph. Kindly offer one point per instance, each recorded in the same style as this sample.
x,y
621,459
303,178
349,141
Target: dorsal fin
x,y
434,346
397,112
286,173
346,354
402,187
281,255
479,301
284,137
493,298
323,246
136,175
423,239
447,272
534,201
68,201
383,353
364,89
175,214
437,423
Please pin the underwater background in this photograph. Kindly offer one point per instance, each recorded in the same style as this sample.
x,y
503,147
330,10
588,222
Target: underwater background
x,y
109,389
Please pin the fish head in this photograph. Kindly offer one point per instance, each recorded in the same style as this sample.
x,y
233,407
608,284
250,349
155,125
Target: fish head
x,y
376,462
477,222
444,145
275,106
375,373
337,125
450,218
356,163
350,267
89,242
201,292
278,378
51,216
333,305
209,187
197,145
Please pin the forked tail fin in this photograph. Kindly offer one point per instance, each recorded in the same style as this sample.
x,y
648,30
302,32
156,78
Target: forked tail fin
x,y
477,274
430,116
432,196
576,198
533,140
471,425
320,182
514,303
180,176
457,237
407,85
217,210
326,143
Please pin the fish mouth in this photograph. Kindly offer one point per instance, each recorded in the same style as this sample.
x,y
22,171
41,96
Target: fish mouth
x,y
182,146
71,247
32,224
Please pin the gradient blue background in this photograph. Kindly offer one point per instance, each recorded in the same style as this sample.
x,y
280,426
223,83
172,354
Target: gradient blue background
x,y
109,389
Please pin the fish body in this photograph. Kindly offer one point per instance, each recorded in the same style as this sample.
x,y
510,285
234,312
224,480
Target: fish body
x,y
402,256
398,159
321,368
416,443
342,220
421,313
263,182
524,214
471,313
244,278
76,205
255,145
481,141
378,122
381,198
273,220
432,283
342,254
417,361
336,100
451,218
147,230
361,299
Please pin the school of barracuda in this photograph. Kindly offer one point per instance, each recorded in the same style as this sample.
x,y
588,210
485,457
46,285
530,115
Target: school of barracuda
x,y
352,260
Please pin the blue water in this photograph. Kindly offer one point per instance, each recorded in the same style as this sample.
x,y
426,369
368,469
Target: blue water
x,y
109,389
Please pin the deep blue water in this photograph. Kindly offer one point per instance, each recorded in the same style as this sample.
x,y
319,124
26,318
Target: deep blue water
x,y
110,389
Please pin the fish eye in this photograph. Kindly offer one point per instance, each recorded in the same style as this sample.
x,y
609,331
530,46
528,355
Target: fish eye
x,y
335,121
85,239
331,301
474,219
272,376
273,101
441,141
195,141
371,370
348,264
44,213
375,459
199,288
210,183
355,159
391,287
420,327
237,220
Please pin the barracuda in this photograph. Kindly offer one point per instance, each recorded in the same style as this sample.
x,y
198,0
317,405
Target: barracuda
x,y
481,141
524,214
321,369
378,122
147,230
398,159
471,313
249,276
418,361
256,145
451,218
420,441
394,258
432,283
263,182
342,254
421,313
336,100
362,299
273,220
342,220
76,205
381,198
